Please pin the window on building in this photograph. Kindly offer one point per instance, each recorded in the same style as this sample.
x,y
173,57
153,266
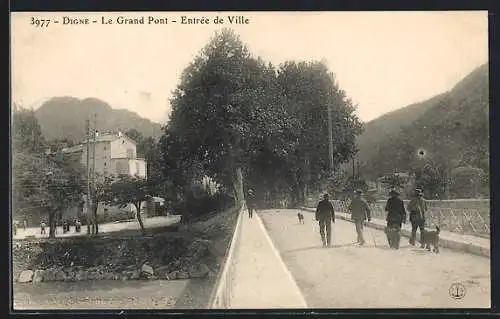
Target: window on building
x,y
130,153
119,168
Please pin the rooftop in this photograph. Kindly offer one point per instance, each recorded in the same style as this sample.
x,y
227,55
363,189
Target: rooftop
x,y
103,137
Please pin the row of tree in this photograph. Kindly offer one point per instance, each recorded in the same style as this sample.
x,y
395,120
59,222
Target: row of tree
x,y
238,119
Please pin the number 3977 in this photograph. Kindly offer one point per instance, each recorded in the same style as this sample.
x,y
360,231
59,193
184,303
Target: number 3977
x,y
40,23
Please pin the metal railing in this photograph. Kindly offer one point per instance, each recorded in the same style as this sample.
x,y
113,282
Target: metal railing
x,y
467,221
222,295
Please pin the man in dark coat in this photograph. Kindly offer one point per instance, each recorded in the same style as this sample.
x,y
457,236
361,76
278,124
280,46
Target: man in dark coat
x,y
325,215
250,203
396,216
417,208
360,211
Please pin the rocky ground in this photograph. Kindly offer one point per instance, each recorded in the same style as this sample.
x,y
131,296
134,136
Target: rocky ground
x,y
195,251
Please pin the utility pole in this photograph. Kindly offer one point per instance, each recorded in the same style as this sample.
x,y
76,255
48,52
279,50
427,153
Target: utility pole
x,y
94,133
330,137
93,149
87,127
353,168
357,164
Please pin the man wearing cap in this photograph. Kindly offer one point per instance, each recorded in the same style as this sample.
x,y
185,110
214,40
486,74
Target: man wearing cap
x,y
417,208
325,215
250,203
359,213
396,215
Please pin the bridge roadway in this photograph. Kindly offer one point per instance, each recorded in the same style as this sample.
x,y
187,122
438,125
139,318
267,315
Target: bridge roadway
x,y
304,274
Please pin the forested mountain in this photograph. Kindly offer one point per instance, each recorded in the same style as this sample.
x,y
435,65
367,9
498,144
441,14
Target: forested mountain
x,y
447,132
64,117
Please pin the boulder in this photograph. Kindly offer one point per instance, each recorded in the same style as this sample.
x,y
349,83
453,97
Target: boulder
x,y
162,272
172,275
59,275
81,275
147,271
134,275
182,275
38,276
199,271
174,265
49,275
26,276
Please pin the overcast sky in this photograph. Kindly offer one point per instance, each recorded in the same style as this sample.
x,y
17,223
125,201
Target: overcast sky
x,y
383,60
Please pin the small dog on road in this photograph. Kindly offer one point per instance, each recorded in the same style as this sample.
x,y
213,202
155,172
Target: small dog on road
x,y
301,218
431,238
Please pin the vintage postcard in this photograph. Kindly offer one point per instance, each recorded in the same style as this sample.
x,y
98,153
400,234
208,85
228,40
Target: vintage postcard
x,y
250,160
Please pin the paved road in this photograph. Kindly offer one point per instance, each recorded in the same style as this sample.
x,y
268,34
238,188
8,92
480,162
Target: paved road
x,y
373,276
152,222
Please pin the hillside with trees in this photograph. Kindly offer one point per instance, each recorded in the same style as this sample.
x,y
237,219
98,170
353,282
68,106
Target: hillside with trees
x,y
64,118
447,141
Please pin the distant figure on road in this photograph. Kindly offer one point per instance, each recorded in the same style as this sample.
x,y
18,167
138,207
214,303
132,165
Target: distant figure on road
x,y
250,202
25,224
78,225
417,208
359,213
14,227
396,215
325,215
42,228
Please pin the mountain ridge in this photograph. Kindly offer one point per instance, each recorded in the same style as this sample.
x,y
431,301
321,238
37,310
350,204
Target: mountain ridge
x,y
64,117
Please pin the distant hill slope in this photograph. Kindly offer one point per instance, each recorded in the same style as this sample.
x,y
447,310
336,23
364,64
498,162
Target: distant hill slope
x,y
453,126
64,117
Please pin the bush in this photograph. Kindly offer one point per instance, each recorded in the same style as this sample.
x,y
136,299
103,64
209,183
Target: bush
x,y
193,207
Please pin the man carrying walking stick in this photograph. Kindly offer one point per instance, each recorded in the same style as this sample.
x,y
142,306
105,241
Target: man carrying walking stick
x,y
359,213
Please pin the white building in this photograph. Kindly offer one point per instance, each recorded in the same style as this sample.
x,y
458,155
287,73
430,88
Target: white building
x,y
115,154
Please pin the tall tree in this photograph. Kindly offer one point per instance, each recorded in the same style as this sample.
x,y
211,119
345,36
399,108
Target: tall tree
x,y
310,89
219,110
49,184
130,190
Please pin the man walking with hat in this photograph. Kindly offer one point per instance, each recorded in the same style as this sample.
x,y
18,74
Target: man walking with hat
x,y
417,208
325,215
359,213
250,203
396,215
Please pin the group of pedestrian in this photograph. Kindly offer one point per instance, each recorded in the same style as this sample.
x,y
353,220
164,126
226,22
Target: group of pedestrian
x,y
396,216
65,225
360,213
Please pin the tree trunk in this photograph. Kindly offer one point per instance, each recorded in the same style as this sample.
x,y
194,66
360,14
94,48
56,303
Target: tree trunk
x,y
138,216
95,226
52,224
238,186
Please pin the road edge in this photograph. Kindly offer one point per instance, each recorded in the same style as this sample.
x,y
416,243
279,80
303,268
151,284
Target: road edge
x,y
278,255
